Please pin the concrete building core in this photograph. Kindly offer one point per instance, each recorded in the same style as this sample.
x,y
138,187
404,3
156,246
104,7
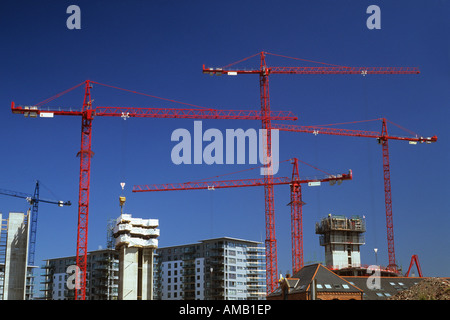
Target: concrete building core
x,y
136,240
342,238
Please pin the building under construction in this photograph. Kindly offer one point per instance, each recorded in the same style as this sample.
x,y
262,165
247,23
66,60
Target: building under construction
x,y
342,276
341,237
16,277
213,269
136,241
102,281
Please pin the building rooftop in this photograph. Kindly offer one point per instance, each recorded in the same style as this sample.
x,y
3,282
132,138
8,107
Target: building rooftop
x,y
326,281
213,240
380,288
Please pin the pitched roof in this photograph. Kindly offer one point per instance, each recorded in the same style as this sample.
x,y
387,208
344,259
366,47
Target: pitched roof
x,y
388,286
326,281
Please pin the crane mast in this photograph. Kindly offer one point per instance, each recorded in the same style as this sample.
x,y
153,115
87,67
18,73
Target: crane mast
x,y
87,114
264,72
33,200
383,138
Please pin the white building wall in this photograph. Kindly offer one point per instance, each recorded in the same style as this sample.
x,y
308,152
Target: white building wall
x,y
337,256
59,286
237,266
200,279
236,274
172,280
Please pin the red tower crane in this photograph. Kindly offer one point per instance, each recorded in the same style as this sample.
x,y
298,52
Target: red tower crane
x,y
263,72
87,113
382,137
296,202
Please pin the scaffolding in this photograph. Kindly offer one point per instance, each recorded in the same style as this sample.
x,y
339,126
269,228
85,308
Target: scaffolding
x,y
136,240
341,223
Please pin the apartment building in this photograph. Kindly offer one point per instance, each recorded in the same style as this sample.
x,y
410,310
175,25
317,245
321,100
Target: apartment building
x,y
213,269
102,280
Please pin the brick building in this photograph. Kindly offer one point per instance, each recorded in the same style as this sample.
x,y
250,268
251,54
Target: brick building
x,y
315,282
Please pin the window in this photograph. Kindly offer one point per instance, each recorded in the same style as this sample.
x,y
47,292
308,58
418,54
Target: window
x,y
319,286
345,286
327,286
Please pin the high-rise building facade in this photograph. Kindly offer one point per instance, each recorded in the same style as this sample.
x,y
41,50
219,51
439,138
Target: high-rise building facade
x,y
214,269
102,279
16,276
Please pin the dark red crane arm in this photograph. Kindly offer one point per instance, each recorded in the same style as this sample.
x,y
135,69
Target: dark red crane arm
x,y
199,185
190,113
344,70
182,113
315,70
347,132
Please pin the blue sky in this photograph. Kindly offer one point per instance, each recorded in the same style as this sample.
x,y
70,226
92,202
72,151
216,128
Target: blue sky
x,y
159,47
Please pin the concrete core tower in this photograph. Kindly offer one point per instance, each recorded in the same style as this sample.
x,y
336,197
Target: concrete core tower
x,y
342,238
136,241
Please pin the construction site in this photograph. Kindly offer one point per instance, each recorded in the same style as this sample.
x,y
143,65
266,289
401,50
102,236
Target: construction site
x,y
136,239
332,233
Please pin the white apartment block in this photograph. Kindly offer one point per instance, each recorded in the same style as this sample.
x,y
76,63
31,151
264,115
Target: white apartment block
x,y
214,269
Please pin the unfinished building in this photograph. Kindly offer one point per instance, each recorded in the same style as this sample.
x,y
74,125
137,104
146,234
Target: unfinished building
x,y
342,238
15,275
102,276
136,241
